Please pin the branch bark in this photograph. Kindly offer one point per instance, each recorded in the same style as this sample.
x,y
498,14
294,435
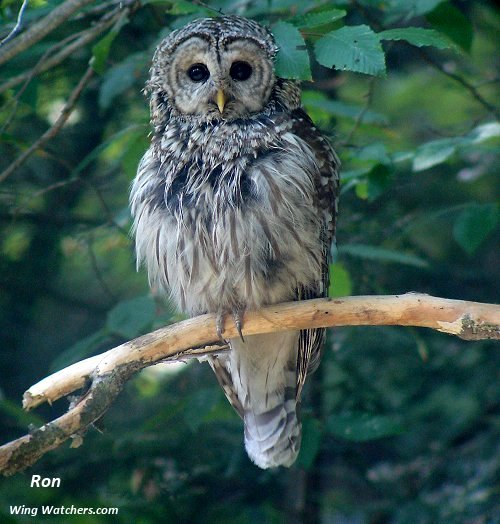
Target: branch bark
x,y
41,29
62,50
195,337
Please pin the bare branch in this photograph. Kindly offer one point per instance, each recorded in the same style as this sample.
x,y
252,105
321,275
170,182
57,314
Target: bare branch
x,y
41,29
54,130
25,451
469,320
109,371
463,82
361,115
62,50
18,26
209,7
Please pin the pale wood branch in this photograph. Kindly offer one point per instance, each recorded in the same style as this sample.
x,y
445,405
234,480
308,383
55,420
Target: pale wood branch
x,y
109,371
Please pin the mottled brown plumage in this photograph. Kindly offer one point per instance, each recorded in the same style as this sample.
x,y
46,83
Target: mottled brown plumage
x,y
234,207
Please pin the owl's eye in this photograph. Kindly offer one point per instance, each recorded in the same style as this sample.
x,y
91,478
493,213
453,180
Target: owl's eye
x,y
240,71
198,73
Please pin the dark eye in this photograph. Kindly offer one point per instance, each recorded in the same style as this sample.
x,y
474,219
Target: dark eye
x,y
240,71
198,73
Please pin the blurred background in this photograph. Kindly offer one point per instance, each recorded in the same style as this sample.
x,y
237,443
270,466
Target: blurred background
x,y
400,424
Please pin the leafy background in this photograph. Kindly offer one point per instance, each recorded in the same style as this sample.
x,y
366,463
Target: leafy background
x,y
400,425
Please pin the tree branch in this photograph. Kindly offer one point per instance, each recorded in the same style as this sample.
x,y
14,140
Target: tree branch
x,y
54,130
62,50
457,78
195,337
40,29
359,119
18,25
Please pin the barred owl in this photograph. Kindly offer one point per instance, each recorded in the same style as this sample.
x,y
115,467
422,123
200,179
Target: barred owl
x,y
234,208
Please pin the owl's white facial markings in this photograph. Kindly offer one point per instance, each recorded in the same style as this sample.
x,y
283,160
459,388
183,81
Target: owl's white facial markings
x,y
229,80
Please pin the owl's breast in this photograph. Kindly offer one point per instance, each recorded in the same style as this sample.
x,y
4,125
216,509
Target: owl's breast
x,y
221,236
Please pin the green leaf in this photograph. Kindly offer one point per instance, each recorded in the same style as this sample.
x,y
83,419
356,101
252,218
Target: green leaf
x,y
292,60
376,151
484,132
119,78
433,153
311,441
114,146
381,254
181,7
353,174
316,19
379,179
356,178
449,20
474,225
402,156
314,100
438,151
100,51
130,318
361,427
133,154
340,281
409,9
361,189
353,48
417,36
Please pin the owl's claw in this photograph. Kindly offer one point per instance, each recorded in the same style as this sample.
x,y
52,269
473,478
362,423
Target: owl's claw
x,y
237,318
219,325
238,322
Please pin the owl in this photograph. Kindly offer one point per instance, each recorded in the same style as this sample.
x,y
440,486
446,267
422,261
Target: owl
x,y
234,208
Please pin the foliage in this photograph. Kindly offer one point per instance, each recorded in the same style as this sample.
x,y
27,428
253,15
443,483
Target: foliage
x,y
399,424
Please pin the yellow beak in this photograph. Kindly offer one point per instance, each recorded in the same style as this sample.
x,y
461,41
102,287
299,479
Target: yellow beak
x,y
221,100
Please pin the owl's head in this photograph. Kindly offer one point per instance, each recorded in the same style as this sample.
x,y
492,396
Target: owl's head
x,y
213,69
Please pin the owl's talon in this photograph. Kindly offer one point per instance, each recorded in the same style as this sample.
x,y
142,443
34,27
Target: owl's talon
x,y
238,323
219,325
237,318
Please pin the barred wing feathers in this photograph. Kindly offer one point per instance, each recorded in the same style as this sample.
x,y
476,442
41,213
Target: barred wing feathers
x,y
327,191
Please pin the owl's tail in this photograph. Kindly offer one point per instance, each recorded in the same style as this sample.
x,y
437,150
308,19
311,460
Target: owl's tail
x,y
263,389
272,429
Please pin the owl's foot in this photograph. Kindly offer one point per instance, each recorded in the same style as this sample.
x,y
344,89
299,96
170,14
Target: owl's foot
x,y
237,318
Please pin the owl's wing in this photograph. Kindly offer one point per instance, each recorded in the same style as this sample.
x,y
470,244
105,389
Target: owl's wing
x,y
327,191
